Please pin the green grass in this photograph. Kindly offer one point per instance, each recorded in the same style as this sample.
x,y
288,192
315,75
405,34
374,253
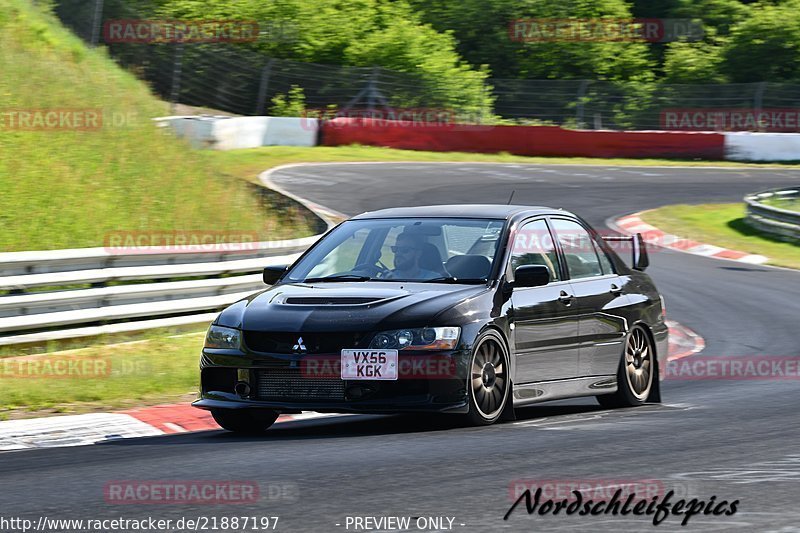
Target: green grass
x,y
792,204
722,225
162,368
65,188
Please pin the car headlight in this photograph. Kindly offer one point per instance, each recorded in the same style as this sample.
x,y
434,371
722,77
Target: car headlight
x,y
222,337
417,339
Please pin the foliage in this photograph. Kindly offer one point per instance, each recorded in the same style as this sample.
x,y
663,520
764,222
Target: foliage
x,y
766,45
693,63
292,104
367,33
744,41
486,34
440,53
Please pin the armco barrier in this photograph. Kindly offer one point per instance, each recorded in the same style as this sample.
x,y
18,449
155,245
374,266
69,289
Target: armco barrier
x,y
84,259
42,316
782,223
172,295
230,133
745,146
523,140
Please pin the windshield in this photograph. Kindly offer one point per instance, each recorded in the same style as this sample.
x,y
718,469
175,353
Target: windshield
x,y
454,250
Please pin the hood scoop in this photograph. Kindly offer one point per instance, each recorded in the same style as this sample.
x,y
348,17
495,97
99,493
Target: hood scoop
x,y
332,300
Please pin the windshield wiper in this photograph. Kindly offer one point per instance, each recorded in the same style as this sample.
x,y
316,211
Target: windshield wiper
x,y
340,277
450,279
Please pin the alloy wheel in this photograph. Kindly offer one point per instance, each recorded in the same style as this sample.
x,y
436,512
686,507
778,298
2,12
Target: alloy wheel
x,y
489,379
639,364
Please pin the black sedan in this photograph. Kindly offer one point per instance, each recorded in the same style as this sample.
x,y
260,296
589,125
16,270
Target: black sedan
x,y
466,309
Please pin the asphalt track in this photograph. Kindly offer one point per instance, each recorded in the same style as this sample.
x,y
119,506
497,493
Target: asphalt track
x,y
736,440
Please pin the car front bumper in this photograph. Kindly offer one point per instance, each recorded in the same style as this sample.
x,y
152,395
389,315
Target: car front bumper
x,y
436,383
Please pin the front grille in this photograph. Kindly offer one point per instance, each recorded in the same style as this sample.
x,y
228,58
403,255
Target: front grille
x,y
314,343
290,384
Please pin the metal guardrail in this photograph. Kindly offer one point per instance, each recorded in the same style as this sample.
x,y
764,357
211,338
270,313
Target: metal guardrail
x,y
29,317
101,276
136,289
51,261
161,287
782,223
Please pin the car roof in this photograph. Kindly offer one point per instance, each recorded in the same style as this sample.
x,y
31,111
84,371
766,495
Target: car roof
x,y
500,211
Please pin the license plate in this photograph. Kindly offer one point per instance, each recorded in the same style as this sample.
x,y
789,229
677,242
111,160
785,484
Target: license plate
x,y
369,364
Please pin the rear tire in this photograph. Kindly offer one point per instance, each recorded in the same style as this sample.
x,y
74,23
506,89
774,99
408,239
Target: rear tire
x,y
245,421
636,373
488,381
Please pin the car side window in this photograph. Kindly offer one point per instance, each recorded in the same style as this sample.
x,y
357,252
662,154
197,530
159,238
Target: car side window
x,y
605,262
533,245
579,249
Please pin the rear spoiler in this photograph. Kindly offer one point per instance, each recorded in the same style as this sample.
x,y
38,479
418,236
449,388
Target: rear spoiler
x,y
639,258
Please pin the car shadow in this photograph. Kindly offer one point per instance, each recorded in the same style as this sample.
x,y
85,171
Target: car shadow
x,y
348,426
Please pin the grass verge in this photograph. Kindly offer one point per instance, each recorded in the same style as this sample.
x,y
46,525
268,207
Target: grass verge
x,y
792,204
64,187
722,225
159,368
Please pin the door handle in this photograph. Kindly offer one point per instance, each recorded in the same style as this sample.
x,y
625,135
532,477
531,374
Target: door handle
x,y
565,298
615,289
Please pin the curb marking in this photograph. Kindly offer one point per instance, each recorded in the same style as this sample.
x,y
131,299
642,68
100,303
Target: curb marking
x,y
652,235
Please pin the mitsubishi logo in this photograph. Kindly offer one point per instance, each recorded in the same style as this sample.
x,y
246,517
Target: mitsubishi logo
x,y
299,347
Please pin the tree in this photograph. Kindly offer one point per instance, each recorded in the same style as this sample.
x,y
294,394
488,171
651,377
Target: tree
x,y
718,16
485,34
766,45
384,33
693,63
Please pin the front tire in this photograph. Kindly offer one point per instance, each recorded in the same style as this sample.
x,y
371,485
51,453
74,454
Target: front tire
x,y
489,383
635,374
245,421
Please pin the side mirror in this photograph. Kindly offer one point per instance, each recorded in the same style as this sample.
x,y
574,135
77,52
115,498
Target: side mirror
x,y
273,273
640,258
531,276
